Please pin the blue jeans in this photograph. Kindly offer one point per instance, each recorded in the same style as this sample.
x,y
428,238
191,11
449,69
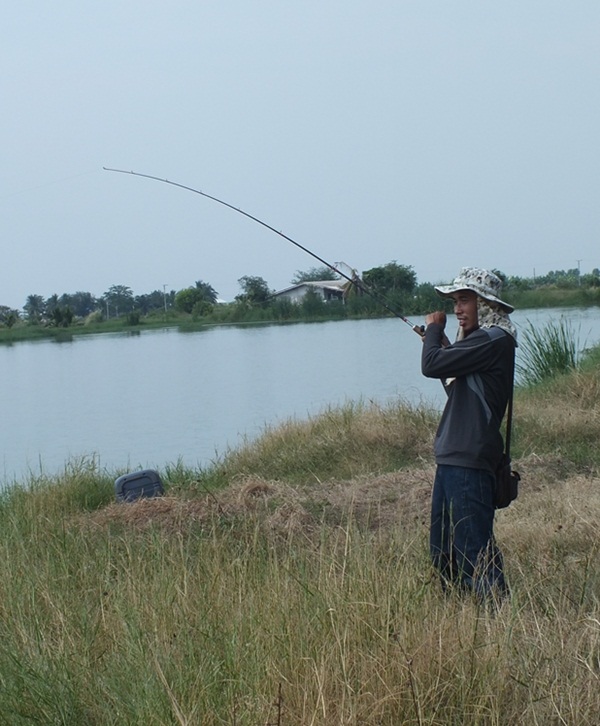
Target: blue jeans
x,y
461,539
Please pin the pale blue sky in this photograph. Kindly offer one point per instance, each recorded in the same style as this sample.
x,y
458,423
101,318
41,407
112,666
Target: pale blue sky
x,y
438,134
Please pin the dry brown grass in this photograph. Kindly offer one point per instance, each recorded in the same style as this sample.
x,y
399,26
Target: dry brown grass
x,y
383,501
556,500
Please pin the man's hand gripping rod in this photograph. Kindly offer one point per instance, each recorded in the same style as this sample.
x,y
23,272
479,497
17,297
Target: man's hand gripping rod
x,y
358,283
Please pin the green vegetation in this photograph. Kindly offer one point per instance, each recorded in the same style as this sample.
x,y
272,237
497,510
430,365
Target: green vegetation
x,y
289,583
547,352
196,306
553,297
314,274
199,299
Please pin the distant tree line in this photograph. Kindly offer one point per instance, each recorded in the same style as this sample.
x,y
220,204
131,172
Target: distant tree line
x,y
117,301
560,279
395,283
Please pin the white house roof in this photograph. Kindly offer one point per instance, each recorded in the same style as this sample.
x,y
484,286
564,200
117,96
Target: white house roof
x,y
323,284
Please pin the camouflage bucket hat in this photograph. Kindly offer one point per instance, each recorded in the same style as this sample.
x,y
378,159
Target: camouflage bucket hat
x,y
487,286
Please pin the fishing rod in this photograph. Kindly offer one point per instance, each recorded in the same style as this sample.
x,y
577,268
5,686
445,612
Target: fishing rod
x,y
354,280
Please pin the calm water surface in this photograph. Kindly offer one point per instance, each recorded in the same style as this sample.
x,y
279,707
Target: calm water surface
x,y
161,396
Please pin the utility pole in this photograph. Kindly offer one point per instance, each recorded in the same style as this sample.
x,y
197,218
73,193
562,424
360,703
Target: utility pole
x,y
165,298
579,272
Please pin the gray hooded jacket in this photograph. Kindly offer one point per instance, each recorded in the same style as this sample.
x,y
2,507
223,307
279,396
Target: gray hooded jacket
x,y
482,368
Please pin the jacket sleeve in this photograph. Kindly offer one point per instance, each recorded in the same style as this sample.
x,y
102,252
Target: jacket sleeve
x,y
463,357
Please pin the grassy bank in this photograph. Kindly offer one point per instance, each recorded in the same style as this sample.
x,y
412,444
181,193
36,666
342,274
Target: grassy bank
x,y
554,297
22,332
289,584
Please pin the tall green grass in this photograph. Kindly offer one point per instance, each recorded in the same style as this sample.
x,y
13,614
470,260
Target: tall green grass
x,y
547,352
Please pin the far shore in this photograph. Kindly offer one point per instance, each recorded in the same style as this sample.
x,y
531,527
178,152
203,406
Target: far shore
x,y
25,331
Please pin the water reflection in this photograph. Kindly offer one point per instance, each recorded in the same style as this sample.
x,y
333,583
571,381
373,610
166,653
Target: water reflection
x,y
157,396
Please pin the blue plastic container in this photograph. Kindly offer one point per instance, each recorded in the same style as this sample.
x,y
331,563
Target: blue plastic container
x,y
138,484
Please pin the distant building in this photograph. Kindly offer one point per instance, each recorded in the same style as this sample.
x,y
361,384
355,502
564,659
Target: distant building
x,y
325,289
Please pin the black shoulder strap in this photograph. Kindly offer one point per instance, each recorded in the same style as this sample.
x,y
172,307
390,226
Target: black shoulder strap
x,y
510,409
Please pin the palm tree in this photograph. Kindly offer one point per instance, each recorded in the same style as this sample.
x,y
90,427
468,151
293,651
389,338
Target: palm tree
x,y
208,292
34,308
119,296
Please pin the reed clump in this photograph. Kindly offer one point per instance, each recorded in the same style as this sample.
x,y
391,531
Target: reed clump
x,y
289,584
548,352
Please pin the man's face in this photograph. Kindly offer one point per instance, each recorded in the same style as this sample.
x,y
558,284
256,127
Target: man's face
x,y
465,309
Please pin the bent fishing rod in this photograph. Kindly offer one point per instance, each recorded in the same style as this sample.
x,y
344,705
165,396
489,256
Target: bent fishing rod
x,y
357,282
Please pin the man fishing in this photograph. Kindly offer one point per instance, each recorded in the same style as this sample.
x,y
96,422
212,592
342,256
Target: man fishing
x,y
477,373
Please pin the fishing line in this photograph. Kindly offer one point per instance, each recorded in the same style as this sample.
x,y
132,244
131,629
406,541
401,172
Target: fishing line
x,y
26,190
356,281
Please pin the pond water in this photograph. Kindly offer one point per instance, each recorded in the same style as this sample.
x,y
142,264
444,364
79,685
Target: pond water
x,y
151,399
